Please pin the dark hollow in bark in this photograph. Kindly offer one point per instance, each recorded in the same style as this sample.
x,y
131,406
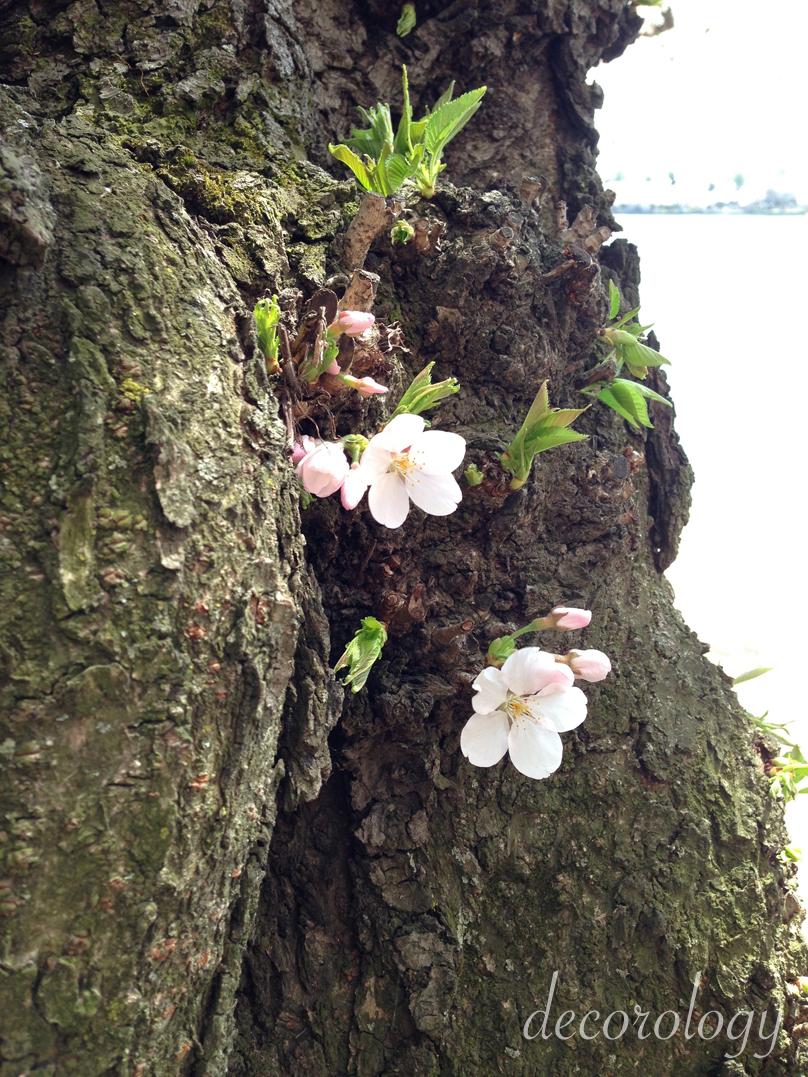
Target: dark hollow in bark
x,y
214,861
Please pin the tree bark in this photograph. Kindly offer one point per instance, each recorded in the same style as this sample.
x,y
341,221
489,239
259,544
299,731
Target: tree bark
x,y
215,862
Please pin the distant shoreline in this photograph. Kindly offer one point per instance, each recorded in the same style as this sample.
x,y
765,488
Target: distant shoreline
x,y
712,211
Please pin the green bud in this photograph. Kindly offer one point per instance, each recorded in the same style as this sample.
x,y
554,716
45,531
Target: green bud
x,y
354,445
267,315
406,20
473,475
361,653
501,648
402,232
619,336
422,393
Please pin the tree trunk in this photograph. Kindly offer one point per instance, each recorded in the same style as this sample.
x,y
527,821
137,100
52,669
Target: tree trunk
x,y
215,861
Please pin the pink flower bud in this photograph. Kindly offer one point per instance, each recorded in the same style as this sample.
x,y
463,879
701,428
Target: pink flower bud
x,y
322,470
352,322
300,448
589,666
354,487
334,368
368,386
568,618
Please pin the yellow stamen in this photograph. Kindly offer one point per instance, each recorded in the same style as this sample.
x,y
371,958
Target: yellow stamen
x,y
402,464
517,708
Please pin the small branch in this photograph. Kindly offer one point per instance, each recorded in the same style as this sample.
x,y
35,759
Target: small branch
x,y
361,291
374,216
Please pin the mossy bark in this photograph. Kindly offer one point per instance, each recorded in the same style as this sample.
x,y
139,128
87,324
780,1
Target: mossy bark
x,y
213,863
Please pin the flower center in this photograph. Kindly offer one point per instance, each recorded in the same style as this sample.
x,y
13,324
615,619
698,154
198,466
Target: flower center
x,y
402,465
515,708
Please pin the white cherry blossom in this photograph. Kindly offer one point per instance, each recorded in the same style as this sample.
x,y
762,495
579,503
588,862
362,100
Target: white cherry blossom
x,y
404,463
520,710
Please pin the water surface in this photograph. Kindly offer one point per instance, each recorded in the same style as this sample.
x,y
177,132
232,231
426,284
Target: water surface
x,y
727,295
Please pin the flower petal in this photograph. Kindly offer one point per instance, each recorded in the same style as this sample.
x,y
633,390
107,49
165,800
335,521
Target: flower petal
x,y
388,500
559,707
530,669
353,488
490,690
535,751
439,495
375,460
322,471
484,739
438,451
399,433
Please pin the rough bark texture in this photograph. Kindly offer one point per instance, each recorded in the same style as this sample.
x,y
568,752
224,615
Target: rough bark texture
x,y
196,879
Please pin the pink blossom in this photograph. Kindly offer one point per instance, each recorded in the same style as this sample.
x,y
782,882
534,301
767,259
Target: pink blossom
x,y
364,386
353,488
300,448
403,463
323,469
334,368
589,666
520,710
568,618
352,322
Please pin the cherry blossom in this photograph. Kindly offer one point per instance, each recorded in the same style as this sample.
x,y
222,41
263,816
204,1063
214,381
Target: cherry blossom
x,y
405,463
303,447
324,467
351,322
569,618
353,488
589,666
520,710
364,386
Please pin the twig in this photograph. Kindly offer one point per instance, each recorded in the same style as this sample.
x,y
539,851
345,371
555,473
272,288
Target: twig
x,y
375,214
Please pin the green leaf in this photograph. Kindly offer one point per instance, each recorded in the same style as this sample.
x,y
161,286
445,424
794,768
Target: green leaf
x,y
445,97
346,155
401,233
406,20
379,133
417,128
561,417
450,118
614,300
538,409
626,318
629,394
550,438
362,651
422,394
625,398
399,169
380,179
267,315
403,143
473,475
607,397
543,428
649,394
637,354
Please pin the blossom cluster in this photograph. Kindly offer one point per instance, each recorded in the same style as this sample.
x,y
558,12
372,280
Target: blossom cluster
x,y
404,463
521,708
524,698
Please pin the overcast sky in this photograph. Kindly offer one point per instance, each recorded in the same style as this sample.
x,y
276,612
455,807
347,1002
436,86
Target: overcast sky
x,y
723,93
